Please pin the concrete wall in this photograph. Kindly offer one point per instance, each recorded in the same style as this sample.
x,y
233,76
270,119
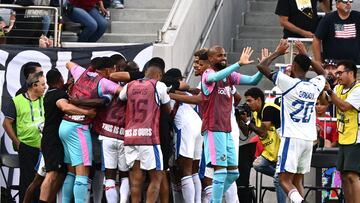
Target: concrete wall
x,y
179,44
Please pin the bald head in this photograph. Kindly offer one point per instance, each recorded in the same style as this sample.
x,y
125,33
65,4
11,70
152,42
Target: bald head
x,y
217,57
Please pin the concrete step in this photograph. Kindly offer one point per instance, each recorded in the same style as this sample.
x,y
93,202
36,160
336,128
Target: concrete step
x,y
68,36
249,31
128,27
257,44
128,38
139,14
160,4
262,6
261,18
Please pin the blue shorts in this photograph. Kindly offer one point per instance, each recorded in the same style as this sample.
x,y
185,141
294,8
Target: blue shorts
x,y
76,139
219,149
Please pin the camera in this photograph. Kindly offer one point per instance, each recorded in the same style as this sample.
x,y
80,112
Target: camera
x,y
242,109
330,79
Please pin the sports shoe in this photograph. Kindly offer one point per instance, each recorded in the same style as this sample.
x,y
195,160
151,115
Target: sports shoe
x,y
117,5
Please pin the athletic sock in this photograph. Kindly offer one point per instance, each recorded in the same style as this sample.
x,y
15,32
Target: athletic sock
x,y
124,190
295,196
231,177
110,191
68,187
187,188
81,189
208,194
218,185
197,186
176,190
98,185
231,194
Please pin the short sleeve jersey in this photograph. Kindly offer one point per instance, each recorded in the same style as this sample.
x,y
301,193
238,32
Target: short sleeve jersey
x,y
298,117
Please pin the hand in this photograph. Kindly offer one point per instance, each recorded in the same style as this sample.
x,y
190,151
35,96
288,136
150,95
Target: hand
x,y
264,54
327,86
91,113
245,56
308,34
300,47
17,144
282,47
103,10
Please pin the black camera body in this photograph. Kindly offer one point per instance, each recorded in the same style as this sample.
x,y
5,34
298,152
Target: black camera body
x,y
242,109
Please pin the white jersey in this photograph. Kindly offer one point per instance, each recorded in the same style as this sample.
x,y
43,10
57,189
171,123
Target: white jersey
x,y
298,118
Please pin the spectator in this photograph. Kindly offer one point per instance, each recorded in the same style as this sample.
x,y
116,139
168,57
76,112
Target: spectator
x,y
91,19
298,18
326,129
26,112
337,32
346,99
28,68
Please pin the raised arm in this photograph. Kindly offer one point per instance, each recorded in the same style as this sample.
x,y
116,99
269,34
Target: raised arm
x,y
244,60
316,65
268,58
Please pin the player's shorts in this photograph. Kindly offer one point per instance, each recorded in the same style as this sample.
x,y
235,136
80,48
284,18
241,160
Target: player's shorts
x,y
114,154
53,152
348,159
150,156
219,149
188,143
40,166
294,155
76,139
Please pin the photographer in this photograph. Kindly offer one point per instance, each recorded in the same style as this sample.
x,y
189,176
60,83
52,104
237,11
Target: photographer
x,y
265,123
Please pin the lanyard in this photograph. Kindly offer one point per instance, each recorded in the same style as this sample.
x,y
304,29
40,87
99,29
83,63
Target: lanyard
x,y
31,108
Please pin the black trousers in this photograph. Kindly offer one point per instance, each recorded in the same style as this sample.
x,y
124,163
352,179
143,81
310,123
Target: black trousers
x,y
246,158
28,157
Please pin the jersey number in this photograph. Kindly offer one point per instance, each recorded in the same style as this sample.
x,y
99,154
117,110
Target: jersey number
x,y
139,110
304,108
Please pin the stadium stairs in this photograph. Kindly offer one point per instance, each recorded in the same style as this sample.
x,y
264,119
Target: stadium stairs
x,y
138,22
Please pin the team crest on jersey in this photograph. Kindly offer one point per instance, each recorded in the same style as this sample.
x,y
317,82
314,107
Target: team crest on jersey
x,y
224,91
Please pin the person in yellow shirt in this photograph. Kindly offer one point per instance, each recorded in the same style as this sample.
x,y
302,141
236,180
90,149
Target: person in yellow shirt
x,y
265,123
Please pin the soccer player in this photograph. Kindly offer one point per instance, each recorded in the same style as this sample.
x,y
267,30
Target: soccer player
x,y
298,120
144,98
216,107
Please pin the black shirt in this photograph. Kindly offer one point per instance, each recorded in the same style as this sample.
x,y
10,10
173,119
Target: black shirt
x,y
22,90
340,38
302,16
272,114
53,115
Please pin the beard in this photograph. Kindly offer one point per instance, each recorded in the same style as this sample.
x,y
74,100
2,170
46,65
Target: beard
x,y
220,66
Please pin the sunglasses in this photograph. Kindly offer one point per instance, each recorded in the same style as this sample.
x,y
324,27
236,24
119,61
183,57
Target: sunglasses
x,y
346,1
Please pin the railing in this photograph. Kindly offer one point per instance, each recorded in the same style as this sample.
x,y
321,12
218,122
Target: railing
x,y
54,18
168,23
204,37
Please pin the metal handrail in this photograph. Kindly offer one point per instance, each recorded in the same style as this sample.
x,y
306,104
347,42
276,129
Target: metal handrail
x,y
12,6
168,23
203,40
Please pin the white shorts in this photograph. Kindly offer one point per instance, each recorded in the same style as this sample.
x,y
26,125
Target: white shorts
x,y
188,142
150,156
114,154
209,172
40,166
294,155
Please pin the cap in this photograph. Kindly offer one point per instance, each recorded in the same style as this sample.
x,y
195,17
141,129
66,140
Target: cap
x,y
155,61
329,62
174,73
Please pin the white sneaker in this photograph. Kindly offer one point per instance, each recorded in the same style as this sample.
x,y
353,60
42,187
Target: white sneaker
x,y
117,5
